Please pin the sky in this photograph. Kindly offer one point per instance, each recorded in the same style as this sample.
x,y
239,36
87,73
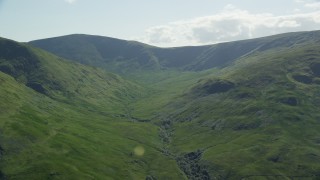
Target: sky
x,y
164,23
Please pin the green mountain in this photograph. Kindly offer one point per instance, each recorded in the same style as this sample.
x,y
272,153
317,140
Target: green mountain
x,y
237,110
122,56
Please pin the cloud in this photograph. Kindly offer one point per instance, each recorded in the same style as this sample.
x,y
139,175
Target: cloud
x,y
228,25
313,5
70,1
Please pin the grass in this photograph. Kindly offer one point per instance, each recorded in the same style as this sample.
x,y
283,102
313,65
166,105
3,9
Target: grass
x,y
87,123
50,139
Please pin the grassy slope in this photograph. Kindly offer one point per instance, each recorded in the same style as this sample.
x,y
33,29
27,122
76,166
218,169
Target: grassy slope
x,y
63,80
254,130
79,130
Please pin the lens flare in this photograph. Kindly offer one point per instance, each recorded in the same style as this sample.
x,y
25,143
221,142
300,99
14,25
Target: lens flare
x,y
139,151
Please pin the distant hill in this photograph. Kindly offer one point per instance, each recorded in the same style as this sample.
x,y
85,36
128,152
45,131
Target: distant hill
x,y
122,56
100,51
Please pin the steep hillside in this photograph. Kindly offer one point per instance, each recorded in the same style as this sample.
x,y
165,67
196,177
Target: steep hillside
x,y
63,80
122,56
68,121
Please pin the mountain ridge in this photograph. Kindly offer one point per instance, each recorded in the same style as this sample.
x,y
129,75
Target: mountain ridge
x,y
142,56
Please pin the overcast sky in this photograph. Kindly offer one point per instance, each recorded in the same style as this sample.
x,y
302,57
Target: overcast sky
x,y
158,22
